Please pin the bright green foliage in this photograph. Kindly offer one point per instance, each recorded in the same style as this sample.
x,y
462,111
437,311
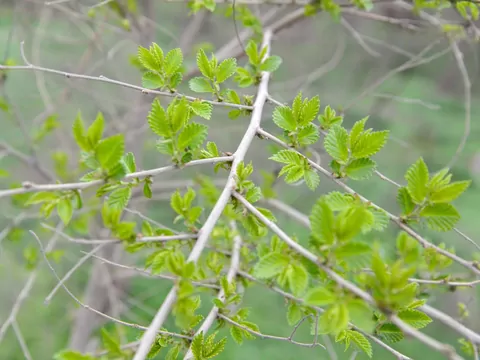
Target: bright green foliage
x,y
48,125
162,71
208,348
329,118
197,5
296,167
214,74
183,207
357,338
72,355
297,121
211,151
258,62
179,137
351,152
64,201
427,198
329,6
233,98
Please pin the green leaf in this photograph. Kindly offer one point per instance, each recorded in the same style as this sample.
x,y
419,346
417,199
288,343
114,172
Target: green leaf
x,y
193,136
157,120
320,296
334,319
236,334
356,131
176,202
360,169
415,318
271,64
417,178
72,355
202,109
152,80
252,52
390,332
308,135
65,210
361,315
361,341
147,190
79,133
323,222
110,343
440,217
200,85
338,201
226,69
95,131
204,64
129,162
197,346
287,157
148,60
157,54
40,197
336,143
119,198
310,110
369,144
449,192
297,279
352,249
283,117
439,180
215,349
405,201
294,314
110,151
271,265
173,61
312,179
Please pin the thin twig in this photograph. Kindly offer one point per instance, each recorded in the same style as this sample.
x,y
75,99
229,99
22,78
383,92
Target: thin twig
x,y
31,187
21,340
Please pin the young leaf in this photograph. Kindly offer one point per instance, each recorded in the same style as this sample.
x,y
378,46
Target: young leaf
x,y
119,198
417,178
226,69
197,346
129,162
320,296
193,136
297,279
202,109
152,80
147,59
356,131
308,135
271,64
323,222
157,120
369,144
72,355
252,52
440,217
65,210
110,343
95,131
390,332
312,179
336,143
173,61
405,201
79,133
283,117
360,169
271,265
200,85
294,314
110,150
415,318
204,64
361,341
310,110
449,192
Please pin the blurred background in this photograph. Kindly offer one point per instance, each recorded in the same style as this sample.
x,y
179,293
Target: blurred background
x,y
352,65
